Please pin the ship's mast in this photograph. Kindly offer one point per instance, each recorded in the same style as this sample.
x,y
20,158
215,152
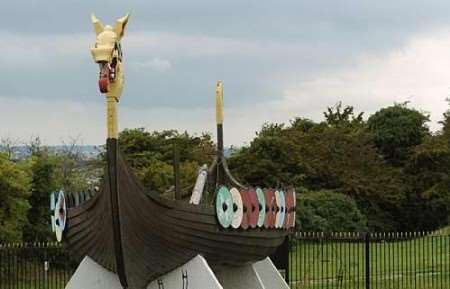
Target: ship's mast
x,y
219,124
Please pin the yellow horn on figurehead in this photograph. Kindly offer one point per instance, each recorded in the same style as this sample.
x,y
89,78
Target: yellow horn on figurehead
x,y
120,25
98,25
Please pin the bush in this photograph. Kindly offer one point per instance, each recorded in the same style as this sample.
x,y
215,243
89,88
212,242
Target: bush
x,y
327,211
14,192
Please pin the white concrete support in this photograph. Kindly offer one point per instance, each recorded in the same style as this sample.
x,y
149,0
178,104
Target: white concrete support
x,y
243,277
269,275
90,275
259,275
195,274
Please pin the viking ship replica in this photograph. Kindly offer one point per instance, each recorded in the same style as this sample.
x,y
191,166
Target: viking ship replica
x,y
140,235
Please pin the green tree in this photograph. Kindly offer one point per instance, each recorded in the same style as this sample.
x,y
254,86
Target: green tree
x,y
43,169
14,192
270,160
53,171
327,211
446,123
337,116
337,154
151,154
397,129
428,201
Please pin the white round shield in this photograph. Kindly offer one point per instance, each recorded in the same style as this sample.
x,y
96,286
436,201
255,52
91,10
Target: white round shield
x,y
279,219
237,208
278,208
282,209
60,216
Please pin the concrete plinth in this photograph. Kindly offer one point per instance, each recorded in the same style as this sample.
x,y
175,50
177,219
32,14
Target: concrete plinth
x,y
242,277
90,275
269,275
195,274
259,275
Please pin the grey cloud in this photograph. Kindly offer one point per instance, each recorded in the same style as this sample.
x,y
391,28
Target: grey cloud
x,y
258,48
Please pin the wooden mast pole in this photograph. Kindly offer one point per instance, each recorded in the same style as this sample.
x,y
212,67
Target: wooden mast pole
x,y
176,170
219,123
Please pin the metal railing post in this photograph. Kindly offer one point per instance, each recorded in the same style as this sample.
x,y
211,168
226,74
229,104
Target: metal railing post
x,y
367,241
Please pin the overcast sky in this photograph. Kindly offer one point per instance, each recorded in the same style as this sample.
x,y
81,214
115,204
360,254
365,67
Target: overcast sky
x,y
277,60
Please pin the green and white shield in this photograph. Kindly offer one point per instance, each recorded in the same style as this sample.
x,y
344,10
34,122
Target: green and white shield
x,y
282,209
262,207
224,207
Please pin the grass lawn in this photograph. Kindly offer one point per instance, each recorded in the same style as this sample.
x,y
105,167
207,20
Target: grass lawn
x,y
421,262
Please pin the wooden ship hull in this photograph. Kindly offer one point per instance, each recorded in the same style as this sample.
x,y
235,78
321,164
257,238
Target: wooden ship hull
x,y
139,235
156,235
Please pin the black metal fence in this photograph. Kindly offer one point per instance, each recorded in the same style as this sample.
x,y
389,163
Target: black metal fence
x,y
369,260
34,266
311,261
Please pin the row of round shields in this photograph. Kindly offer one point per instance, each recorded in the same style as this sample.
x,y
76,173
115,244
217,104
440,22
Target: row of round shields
x,y
255,208
58,213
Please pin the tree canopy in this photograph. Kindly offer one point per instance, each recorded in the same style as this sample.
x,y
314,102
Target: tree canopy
x,y
327,211
14,193
151,154
393,168
397,129
386,173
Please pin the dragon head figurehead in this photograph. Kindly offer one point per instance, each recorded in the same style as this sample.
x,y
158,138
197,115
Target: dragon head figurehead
x,y
107,52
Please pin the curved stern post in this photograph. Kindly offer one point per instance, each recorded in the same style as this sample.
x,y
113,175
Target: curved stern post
x,y
222,170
